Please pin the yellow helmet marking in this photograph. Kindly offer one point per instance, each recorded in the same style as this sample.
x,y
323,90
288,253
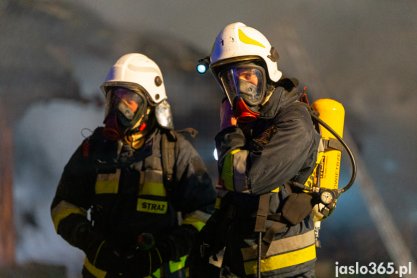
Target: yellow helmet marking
x,y
245,39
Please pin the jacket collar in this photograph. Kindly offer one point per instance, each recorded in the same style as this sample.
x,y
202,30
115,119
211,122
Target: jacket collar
x,y
279,99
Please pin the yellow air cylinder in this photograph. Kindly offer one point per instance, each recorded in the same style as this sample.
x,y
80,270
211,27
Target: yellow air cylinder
x,y
333,114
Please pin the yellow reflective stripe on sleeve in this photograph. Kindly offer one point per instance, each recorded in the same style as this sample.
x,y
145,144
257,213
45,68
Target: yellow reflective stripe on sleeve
x,y
197,219
108,183
245,39
152,206
94,270
234,151
282,260
175,266
276,190
196,223
63,210
227,170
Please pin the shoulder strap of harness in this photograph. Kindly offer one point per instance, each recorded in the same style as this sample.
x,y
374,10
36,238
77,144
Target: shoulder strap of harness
x,y
168,141
325,144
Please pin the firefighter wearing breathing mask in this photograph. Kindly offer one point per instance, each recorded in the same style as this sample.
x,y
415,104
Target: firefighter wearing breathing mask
x,y
135,193
262,225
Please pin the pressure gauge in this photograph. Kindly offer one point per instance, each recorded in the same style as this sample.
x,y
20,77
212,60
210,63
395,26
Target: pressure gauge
x,y
326,197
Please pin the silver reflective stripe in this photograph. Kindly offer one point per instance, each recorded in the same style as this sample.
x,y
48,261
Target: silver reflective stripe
x,y
239,170
281,245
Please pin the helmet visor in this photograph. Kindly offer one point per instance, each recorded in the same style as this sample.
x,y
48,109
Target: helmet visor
x,y
245,81
127,104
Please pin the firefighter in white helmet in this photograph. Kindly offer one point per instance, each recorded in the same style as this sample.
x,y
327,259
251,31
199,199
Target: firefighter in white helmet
x,y
122,192
262,225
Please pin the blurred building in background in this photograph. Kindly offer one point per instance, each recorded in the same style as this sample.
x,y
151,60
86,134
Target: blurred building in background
x,y
54,56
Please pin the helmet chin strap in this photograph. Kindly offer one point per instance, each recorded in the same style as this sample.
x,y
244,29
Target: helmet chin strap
x,y
243,113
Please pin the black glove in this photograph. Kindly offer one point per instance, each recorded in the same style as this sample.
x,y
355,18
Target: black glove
x,y
77,230
198,260
210,240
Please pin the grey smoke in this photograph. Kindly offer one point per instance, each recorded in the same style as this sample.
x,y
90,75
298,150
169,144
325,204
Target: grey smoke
x,y
363,54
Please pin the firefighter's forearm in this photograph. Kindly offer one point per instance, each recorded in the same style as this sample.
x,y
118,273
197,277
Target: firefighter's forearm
x,y
70,222
282,158
229,139
78,232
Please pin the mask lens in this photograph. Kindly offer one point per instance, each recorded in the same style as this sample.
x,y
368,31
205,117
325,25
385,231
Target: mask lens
x,y
126,102
245,81
250,85
229,84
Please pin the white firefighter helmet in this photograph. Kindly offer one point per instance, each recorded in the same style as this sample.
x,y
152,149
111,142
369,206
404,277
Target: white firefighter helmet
x,y
142,75
238,43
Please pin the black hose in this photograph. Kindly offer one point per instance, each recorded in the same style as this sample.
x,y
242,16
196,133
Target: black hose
x,y
352,158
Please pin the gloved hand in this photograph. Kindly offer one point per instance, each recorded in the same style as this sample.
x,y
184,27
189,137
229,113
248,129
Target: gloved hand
x,y
104,256
322,211
208,243
230,136
199,262
226,115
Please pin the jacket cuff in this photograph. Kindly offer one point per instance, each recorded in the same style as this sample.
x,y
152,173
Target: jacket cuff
x,y
229,139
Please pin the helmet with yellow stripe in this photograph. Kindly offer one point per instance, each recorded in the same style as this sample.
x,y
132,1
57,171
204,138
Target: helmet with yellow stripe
x,y
245,65
238,42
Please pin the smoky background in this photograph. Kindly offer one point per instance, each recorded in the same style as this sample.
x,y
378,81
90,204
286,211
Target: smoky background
x,y
54,55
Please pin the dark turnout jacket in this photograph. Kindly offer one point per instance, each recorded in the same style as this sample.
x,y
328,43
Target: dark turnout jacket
x,y
260,159
120,193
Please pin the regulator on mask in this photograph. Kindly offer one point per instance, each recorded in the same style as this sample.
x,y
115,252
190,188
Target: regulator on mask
x,y
244,86
125,108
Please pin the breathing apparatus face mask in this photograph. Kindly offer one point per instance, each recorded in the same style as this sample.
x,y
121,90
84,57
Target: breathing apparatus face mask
x,y
124,108
244,86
